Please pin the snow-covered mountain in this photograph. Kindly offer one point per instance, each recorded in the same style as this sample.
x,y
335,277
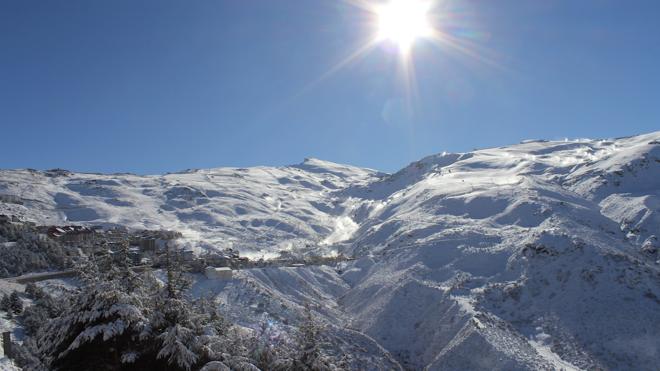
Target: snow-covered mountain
x,y
257,209
541,255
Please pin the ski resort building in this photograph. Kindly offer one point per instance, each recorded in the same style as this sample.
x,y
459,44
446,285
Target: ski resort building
x,y
222,273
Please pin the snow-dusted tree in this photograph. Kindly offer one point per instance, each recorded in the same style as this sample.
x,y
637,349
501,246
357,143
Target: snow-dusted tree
x,y
31,253
100,329
44,302
119,320
5,303
44,307
33,290
175,346
308,355
269,347
15,303
34,317
129,279
170,328
177,280
25,356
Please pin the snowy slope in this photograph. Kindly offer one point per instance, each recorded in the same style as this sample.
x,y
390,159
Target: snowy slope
x,y
521,254
541,255
257,209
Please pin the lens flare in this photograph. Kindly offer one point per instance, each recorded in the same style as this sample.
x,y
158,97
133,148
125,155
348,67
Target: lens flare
x,y
403,21
446,26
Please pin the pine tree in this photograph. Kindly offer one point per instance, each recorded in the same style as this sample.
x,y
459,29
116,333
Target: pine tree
x,y
308,352
99,330
5,303
268,349
32,290
25,356
120,320
34,317
177,281
206,312
15,303
128,278
175,346
171,323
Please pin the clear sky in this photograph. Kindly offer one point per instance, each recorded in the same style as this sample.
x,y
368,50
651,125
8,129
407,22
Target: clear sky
x,y
156,86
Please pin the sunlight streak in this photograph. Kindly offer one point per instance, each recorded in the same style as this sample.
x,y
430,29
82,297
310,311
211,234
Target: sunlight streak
x,y
360,52
464,47
401,24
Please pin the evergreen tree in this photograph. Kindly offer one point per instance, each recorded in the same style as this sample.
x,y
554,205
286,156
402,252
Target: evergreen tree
x,y
171,322
175,346
32,290
5,303
15,303
120,320
268,349
129,280
34,317
207,312
31,253
99,330
25,356
308,351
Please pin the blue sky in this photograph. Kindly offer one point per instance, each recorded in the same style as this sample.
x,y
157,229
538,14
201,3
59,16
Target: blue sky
x,y
157,86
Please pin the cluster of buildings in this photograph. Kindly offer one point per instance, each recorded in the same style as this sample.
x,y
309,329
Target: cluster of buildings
x,y
146,247
67,234
149,248
226,258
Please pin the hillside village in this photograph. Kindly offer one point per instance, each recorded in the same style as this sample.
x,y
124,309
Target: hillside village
x,y
150,248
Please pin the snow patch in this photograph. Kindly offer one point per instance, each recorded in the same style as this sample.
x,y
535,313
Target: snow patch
x,y
343,230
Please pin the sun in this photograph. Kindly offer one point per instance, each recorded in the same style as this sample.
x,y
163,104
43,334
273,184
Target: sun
x,y
404,21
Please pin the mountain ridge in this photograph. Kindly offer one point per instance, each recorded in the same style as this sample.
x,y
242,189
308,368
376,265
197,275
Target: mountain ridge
x,y
539,255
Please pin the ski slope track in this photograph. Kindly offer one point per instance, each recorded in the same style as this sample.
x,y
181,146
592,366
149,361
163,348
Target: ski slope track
x,y
538,256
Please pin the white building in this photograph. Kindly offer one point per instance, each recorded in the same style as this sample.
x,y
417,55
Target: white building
x,y
223,273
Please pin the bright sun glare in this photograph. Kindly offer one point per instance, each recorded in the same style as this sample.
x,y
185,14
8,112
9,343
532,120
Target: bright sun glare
x,y
403,21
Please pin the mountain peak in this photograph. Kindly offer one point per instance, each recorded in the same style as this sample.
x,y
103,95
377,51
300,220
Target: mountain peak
x,y
315,165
